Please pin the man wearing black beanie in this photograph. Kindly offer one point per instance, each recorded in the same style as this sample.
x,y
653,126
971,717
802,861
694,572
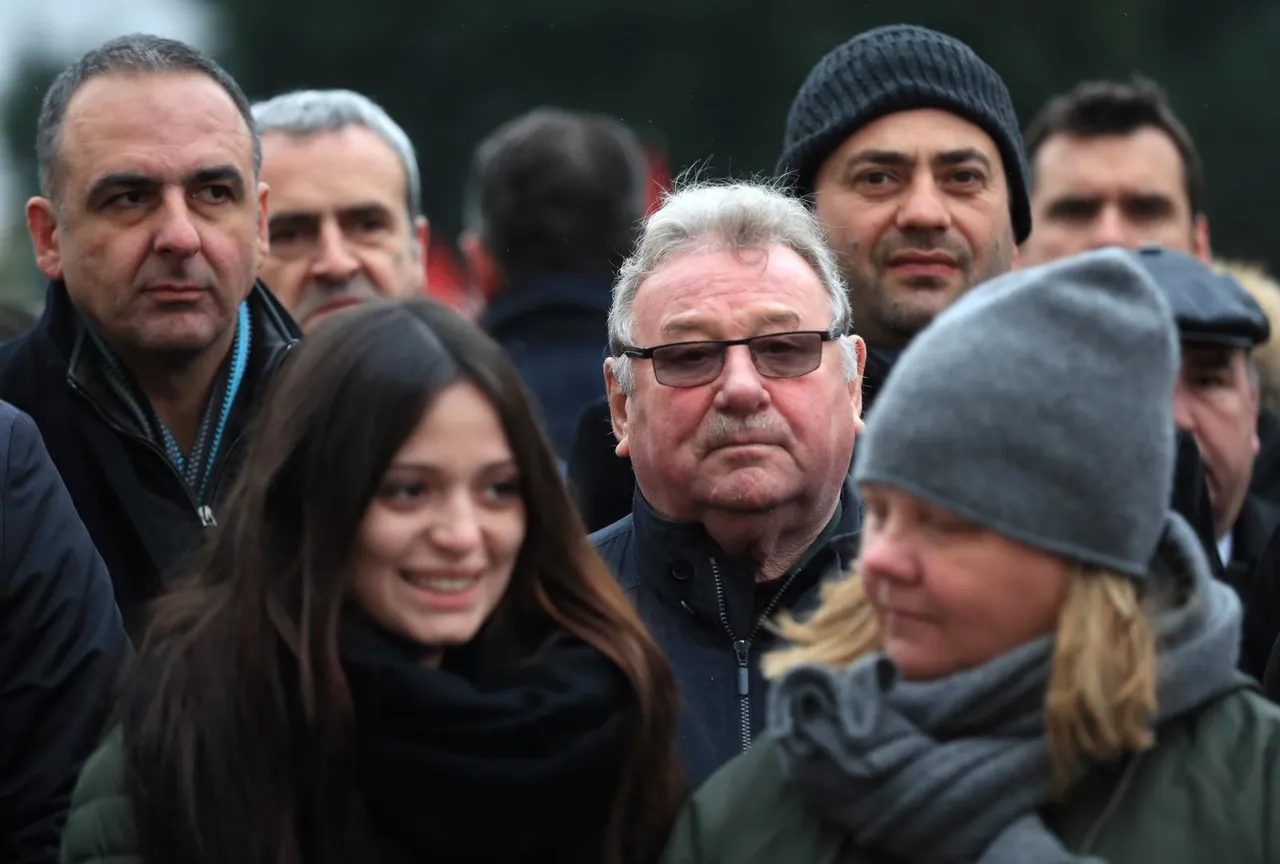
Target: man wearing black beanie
x,y
909,147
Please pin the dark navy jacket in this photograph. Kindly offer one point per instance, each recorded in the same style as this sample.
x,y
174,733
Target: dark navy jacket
x,y
555,329
63,646
139,513
699,604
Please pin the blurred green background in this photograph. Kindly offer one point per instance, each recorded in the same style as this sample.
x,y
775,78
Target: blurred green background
x,y
708,81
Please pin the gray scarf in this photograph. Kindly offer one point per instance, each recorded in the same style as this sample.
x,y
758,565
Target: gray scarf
x,y
957,769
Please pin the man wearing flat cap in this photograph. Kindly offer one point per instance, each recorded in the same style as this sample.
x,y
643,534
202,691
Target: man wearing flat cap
x,y
1216,402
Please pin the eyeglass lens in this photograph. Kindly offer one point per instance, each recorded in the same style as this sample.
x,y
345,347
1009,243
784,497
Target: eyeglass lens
x,y
781,355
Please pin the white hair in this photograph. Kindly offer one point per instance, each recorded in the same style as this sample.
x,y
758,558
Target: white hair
x,y
707,216
307,112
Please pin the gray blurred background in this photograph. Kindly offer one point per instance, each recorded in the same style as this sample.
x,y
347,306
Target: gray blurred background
x,y
704,82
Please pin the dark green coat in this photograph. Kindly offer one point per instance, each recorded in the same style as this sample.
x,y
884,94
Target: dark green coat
x,y
100,826
1208,793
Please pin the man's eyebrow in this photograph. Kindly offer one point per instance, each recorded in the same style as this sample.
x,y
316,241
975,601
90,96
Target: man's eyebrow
x,y
122,180
878,157
960,156
137,181
701,324
298,218
683,327
217,174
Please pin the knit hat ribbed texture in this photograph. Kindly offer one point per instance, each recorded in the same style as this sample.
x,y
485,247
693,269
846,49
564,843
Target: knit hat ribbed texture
x,y
902,67
1040,406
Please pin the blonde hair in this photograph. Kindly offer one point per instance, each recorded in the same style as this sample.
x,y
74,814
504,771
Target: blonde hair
x,y
1101,696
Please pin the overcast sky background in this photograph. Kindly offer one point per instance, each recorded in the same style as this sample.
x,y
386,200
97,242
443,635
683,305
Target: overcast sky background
x,y
63,29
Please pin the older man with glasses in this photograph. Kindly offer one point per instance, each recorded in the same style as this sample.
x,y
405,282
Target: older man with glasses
x,y
735,390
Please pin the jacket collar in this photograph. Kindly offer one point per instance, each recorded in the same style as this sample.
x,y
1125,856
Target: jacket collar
x,y
274,333
683,564
582,292
1250,535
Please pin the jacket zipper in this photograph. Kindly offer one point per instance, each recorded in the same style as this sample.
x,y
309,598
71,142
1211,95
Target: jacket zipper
x,y
225,459
203,512
742,647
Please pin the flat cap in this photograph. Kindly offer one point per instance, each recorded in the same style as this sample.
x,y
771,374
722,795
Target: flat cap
x,y
1209,306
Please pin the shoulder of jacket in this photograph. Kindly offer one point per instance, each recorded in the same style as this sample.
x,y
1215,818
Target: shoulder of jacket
x,y
749,811
1232,745
100,823
610,538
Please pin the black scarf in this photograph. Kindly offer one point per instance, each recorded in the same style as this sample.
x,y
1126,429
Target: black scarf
x,y
462,764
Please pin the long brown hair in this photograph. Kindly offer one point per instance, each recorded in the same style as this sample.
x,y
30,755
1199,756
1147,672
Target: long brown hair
x,y
238,725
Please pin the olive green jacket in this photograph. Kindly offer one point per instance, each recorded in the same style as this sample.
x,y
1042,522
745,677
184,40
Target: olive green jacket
x,y
1207,793
100,826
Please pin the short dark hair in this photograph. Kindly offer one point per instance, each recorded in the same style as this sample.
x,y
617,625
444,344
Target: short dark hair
x,y
1096,108
557,191
137,52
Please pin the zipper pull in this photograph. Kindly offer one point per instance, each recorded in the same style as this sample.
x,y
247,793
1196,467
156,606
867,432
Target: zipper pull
x,y
205,512
740,647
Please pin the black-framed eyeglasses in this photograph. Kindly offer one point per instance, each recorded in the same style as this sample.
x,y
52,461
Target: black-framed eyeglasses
x,y
775,355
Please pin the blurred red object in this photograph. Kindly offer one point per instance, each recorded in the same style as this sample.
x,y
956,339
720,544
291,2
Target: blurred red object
x,y
446,281
659,176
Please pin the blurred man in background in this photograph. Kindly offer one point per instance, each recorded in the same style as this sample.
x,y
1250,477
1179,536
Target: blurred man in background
x,y
555,202
1112,165
346,222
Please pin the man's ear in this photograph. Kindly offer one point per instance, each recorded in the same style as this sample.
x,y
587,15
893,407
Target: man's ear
x,y
264,221
617,408
1200,238
422,237
855,386
1255,402
42,224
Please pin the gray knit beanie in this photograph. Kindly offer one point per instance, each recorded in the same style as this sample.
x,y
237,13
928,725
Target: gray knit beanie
x,y
1039,405
901,68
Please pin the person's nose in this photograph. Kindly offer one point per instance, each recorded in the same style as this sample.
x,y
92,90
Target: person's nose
x,y
1110,229
176,235
924,207
334,261
741,386
455,525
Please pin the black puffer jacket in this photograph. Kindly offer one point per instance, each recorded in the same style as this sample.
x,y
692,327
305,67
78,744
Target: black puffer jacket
x,y
707,614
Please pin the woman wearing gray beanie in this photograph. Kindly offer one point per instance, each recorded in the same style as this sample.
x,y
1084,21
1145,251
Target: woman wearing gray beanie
x,y
1030,662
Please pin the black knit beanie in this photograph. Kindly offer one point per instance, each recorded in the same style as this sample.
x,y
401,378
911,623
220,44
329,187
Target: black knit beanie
x,y
901,68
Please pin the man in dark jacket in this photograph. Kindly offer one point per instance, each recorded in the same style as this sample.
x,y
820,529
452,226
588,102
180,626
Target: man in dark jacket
x,y
1216,403
555,201
907,146
62,645
156,341
736,391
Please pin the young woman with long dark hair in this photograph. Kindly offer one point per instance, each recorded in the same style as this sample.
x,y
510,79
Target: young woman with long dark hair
x,y
398,646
